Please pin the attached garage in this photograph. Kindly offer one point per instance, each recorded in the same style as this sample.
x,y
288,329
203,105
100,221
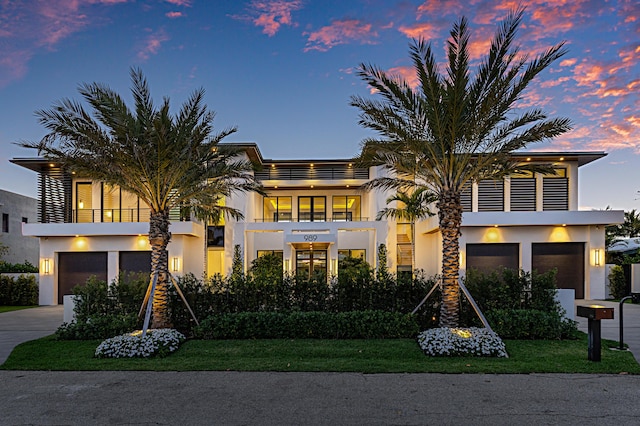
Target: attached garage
x,y
75,268
487,258
135,262
567,258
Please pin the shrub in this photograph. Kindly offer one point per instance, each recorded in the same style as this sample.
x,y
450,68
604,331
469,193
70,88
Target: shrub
x,y
97,327
617,282
525,324
517,304
308,325
18,268
20,291
103,311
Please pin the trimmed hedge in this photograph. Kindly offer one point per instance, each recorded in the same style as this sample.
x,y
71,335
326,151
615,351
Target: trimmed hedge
x,y
20,291
530,324
18,268
308,325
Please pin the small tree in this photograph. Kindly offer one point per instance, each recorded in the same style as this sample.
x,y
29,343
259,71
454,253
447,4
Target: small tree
x,y
617,282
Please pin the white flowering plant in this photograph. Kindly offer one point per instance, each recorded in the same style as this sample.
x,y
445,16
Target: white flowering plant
x,y
161,342
473,341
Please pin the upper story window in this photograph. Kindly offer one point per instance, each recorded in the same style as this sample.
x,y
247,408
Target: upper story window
x,y
277,209
84,202
523,192
121,206
346,208
555,191
312,209
5,222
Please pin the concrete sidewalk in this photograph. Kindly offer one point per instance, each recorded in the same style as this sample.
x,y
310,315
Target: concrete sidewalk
x,y
27,324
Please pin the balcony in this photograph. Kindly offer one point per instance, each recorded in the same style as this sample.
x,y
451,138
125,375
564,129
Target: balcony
x,y
337,217
124,215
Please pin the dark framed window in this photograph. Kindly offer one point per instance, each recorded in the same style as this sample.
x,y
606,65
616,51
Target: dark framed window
x,y
215,236
25,220
84,202
278,253
312,209
355,253
276,209
346,208
5,222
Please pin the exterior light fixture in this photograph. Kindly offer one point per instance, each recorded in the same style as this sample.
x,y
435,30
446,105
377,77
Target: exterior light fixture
x,y
175,264
597,257
561,158
46,266
528,158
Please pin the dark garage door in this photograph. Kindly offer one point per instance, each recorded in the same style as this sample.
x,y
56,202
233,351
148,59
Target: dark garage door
x,y
135,262
567,258
75,268
487,258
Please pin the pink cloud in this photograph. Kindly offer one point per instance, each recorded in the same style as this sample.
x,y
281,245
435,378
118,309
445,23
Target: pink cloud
x,y
406,73
30,27
434,8
340,32
271,15
185,3
152,44
173,15
425,30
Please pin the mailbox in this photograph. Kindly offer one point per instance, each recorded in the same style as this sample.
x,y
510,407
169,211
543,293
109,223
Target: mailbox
x,y
595,312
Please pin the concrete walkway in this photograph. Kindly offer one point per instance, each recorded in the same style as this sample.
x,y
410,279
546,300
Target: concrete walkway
x,y
27,324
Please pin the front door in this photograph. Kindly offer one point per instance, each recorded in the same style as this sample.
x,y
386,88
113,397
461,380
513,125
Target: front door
x,y
311,263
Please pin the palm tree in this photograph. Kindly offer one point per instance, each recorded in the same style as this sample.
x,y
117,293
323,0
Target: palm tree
x,y
168,161
455,128
414,206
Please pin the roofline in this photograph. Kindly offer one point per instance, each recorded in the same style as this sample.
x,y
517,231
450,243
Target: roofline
x,y
38,164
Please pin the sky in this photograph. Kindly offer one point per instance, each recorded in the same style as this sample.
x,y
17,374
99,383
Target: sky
x,y
283,71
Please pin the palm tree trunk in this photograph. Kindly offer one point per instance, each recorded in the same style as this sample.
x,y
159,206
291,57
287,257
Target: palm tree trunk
x,y
159,237
450,219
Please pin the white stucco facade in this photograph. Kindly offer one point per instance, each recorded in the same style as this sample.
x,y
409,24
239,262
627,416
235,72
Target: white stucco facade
x,y
314,212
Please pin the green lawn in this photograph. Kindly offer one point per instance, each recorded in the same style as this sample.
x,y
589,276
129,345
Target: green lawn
x,y
15,308
366,356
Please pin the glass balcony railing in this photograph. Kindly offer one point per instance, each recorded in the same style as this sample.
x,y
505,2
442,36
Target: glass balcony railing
x,y
124,215
314,218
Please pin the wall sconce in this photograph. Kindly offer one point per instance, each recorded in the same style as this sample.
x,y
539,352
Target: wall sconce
x,y
175,264
597,257
46,266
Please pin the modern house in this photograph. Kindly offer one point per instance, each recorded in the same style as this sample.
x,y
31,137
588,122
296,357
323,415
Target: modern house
x,y
17,210
314,213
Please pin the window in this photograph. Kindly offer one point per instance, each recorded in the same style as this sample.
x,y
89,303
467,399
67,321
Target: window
x,y
356,254
312,209
5,222
277,253
118,205
404,248
277,209
346,208
215,236
25,220
84,202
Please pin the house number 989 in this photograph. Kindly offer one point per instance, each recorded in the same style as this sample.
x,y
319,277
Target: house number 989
x,y
310,237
